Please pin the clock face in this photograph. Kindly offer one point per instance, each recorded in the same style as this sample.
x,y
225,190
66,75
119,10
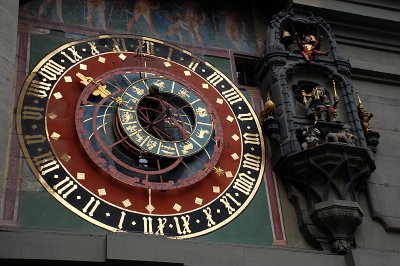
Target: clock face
x,y
134,134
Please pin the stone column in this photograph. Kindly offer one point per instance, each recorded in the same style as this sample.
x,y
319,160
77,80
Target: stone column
x,y
8,48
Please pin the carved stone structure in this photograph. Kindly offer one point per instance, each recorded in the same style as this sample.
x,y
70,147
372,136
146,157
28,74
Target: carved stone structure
x,y
324,172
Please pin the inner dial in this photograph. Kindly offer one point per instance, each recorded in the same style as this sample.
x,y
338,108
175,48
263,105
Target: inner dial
x,y
164,118
148,130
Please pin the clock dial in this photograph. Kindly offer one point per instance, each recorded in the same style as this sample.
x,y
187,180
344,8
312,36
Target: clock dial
x,y
134,134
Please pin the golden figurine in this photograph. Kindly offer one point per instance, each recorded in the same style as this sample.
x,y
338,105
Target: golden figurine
x,y
269,108
363,115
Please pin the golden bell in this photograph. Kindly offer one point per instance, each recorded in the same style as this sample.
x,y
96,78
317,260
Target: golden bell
x,y
286,38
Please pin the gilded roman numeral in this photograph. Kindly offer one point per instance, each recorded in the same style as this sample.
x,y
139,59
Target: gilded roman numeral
x,y
251,138
245,117
95,203
121,220
34,139
146,47
46,163
194,64
252,161
75,56
93,48
148,226
32,113
65,187
227,199
207,212
185,225
232,96
119,45
214,79
38,89
51,70
244,183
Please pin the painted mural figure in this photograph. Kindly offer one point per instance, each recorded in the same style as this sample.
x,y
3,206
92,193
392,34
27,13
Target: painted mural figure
x,y
309,46
48,4
235,28
144,8
318,104
92,6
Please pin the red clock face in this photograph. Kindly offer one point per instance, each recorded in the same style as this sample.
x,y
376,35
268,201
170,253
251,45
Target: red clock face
x,y
134,134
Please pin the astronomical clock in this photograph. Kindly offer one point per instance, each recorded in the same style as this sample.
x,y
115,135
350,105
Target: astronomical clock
x,y
135,134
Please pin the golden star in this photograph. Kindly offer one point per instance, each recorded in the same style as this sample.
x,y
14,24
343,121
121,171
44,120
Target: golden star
x,y
219,171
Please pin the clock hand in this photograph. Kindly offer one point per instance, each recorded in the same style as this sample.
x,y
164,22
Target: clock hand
x,y
100,90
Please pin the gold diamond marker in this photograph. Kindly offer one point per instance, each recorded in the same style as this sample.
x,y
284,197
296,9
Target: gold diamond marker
x,y
235,137
102,59
122,57
150,208
55,136
234,156
65,157
57,95
187,73
220,101
198,201
229,118
205,86
68,79
216,189
83,67
127,203
52,115
80,176
102,192
228,174
177,207
167,64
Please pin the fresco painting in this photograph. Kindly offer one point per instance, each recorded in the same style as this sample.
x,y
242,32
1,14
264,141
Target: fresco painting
x,y
200,23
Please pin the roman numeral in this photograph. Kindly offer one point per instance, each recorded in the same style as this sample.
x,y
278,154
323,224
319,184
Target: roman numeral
x,y
32,113
170,50
51,70
232,96
74,53
65,187
94,207
148,226
34,139
210,221
38,89
119,45
185,226
93,48
214,79
146,47
193,64
121,220
251,138
46,163
244,183
245,117
252,161
227,199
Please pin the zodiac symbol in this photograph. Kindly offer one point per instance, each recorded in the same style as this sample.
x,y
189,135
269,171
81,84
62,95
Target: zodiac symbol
x,y
202,112
139,137
202,132
137,90
168,148
151,144
184,93
159,84
131,128
168,152
186,147
126,116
